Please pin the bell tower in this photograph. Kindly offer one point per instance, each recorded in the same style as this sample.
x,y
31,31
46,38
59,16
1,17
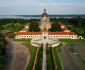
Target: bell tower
x,y
44,24
44,21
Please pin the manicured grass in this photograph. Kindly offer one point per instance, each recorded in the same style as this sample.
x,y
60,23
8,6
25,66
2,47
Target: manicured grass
x,y
2,62
81,59
32,53
73,40
57,59
23,40
38,65
50,63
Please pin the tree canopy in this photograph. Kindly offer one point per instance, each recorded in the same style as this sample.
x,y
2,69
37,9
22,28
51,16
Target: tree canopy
x,y
2,50
34,27
55,27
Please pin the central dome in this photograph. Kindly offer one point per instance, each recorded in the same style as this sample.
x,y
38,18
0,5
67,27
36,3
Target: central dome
x,y
45,13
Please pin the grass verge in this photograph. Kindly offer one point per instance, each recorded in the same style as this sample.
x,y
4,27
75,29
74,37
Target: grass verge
x,y
81,59
50,63
38,65
57,59
72,40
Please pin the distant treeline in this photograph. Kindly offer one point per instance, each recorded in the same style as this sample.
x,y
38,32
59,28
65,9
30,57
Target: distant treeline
x,y
8,20
60,16
76,24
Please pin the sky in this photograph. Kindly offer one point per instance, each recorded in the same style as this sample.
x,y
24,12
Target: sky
x,y
33,7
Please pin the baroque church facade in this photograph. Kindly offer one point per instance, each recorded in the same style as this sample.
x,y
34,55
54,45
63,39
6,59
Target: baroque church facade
x,y
44,26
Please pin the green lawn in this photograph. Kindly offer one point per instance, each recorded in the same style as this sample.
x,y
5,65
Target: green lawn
x,y
57,59
2,62
81,59
32,53
50,63
72,40
38,65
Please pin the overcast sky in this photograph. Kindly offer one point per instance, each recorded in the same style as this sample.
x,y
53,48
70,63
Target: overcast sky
x,y
29,7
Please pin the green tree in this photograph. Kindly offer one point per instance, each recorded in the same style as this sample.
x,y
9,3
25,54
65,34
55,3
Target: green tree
x,y
2,50
34,27
53,20
55,27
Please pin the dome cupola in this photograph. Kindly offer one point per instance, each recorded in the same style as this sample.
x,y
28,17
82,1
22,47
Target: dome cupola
x,y
44,13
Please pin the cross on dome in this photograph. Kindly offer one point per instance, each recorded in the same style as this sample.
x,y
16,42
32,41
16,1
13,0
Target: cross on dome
x,y
44,13
44,10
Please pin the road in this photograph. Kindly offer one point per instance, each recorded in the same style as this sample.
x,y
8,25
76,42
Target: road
x,y
71,61
17,56
44,57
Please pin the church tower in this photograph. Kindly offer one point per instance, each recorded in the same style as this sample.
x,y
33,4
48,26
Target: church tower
x,y
44,21
44,24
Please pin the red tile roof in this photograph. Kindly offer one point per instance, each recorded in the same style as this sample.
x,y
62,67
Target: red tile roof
x,y
66,29
49,33
49,23
28,33
45,30
61,23
61,33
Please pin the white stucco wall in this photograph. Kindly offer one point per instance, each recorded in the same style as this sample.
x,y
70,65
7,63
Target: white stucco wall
x,y
50,36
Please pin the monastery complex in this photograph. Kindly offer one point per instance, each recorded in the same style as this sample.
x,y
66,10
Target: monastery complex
x,y
44,26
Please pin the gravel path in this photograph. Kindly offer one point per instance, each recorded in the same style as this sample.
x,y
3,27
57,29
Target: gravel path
x,y
17,56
